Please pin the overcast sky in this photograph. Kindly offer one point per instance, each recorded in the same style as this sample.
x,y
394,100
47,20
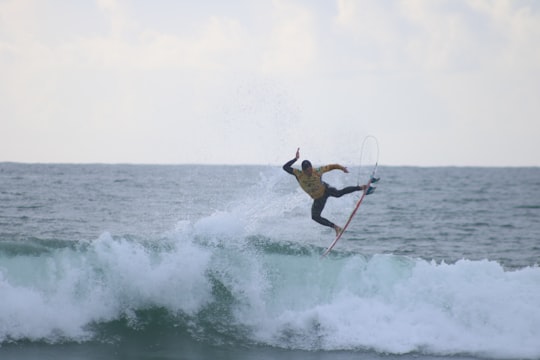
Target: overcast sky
x,y
438,82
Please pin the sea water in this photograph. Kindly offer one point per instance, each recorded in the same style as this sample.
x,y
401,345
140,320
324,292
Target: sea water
x,y
223,262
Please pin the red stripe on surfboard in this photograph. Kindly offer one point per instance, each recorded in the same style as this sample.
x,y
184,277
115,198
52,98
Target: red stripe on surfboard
x,y
348,221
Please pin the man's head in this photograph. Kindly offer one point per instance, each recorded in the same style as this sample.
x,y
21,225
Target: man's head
x,y
306,167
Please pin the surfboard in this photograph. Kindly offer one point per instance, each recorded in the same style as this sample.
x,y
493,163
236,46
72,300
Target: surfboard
x,y
363,155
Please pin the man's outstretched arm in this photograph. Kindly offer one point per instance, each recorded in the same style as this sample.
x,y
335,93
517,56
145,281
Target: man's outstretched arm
x,y
331,167
288,166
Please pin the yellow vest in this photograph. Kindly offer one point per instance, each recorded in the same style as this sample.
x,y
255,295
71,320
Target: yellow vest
x,y
313,184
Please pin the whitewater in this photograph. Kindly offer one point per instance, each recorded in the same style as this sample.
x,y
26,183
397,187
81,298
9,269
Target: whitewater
x,y
194,261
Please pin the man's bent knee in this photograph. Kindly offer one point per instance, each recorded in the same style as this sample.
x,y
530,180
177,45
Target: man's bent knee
x,y
322,221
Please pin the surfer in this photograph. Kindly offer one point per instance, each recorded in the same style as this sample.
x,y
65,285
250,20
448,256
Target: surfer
x,y
310,181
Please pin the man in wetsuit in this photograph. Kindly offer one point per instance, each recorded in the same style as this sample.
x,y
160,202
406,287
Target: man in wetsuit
x,y
310,181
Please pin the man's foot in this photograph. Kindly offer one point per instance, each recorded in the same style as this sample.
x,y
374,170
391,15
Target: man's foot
x,y
368,190
375,179
338,230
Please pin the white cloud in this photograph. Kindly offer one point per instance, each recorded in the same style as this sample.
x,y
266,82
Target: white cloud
x,y
465,75
292,48
177,82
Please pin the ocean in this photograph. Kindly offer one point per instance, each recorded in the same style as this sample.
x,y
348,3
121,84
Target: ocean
x,y
223,262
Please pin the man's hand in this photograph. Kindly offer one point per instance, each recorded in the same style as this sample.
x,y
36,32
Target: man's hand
x,y
297,153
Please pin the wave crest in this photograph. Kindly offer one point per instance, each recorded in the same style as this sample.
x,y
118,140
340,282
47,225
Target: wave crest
x,y
221,284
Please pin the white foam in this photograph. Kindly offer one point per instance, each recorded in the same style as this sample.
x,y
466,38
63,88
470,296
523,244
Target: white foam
x,y
71,289
386,303
397,305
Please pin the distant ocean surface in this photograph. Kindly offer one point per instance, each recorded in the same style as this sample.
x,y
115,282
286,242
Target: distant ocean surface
x,y
223,262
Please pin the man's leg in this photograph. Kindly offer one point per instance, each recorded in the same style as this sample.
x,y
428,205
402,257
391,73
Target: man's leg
x,y
316,210
339,193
